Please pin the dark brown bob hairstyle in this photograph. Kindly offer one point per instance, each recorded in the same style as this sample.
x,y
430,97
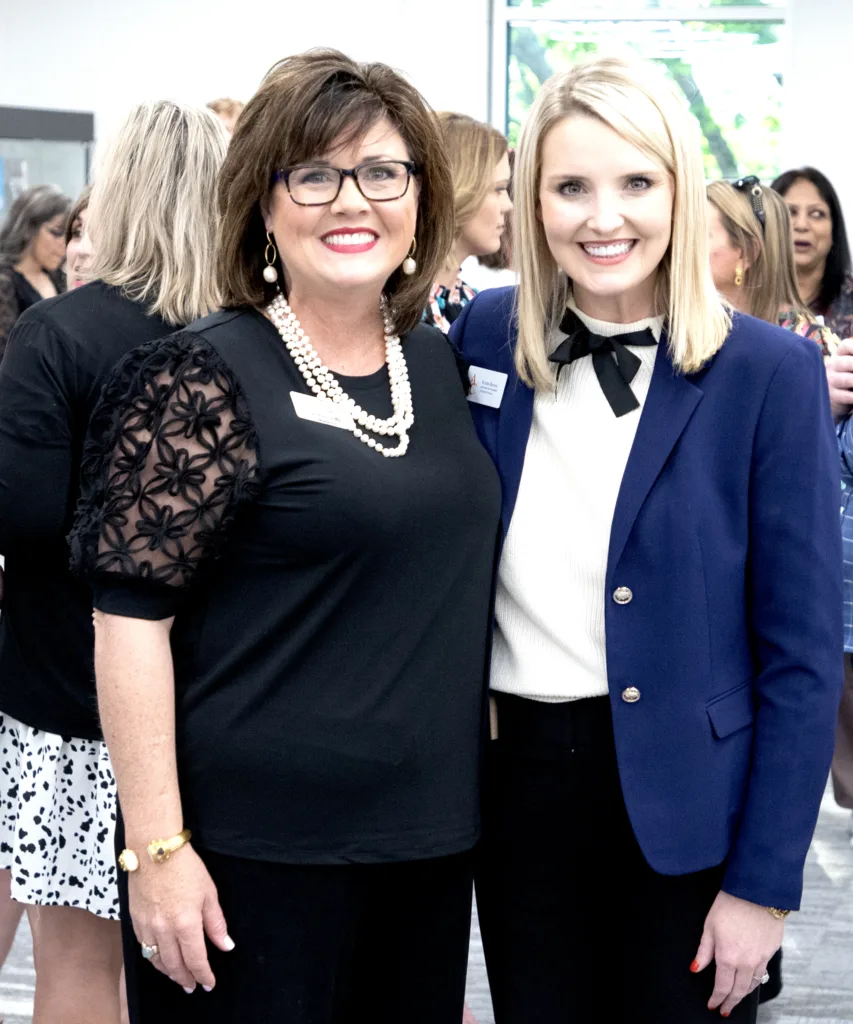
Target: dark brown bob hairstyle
x,y
306,106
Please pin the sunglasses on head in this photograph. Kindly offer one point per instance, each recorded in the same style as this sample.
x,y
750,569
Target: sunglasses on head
x,y
751,186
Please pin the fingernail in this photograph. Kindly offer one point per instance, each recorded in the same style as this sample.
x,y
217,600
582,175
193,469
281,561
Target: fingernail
x,y
189,991
725,1013
228,942
207,988
694,966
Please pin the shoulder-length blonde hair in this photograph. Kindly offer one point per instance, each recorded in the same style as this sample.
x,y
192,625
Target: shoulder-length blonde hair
x,y
474,150
770,276
152,212
635,101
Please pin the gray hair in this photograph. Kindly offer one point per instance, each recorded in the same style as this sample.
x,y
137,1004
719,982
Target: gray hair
x,y
33,208
153,214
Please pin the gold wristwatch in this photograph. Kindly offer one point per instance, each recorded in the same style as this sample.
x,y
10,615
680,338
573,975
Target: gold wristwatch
x,y
160,850
780,915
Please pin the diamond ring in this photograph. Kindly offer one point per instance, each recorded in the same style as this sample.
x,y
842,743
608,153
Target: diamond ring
x,y
149,951
763,979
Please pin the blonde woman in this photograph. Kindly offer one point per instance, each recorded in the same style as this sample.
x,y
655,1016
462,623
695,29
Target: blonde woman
x,y
751,249
479,163
668,607
153,235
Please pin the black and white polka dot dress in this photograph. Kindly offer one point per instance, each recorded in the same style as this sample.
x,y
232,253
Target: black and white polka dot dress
x,y
57,820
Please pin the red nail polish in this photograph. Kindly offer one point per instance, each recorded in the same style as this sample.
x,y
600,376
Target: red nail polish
x,y
694,967
725,1013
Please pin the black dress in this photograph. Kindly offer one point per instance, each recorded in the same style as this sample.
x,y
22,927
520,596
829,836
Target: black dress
x,y
58,803
16,296
332,607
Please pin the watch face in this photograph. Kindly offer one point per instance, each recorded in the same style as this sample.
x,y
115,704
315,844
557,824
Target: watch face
x,y
128,861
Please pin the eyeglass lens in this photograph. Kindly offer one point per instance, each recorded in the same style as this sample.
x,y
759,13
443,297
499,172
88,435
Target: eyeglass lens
x,y
321,184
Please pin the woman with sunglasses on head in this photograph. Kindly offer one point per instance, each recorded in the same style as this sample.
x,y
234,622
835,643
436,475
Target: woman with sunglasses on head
x,y
32,248
821,248
290,532
668,604
751,251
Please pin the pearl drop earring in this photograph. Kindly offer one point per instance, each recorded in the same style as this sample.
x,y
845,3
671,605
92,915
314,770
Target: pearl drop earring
x,y
270,273
409,265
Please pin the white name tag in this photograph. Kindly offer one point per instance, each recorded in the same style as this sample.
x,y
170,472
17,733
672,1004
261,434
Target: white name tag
x,y
487,386
320,410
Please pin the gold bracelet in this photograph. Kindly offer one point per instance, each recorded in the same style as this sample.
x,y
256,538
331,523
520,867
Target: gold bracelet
x,y
159,851
780,915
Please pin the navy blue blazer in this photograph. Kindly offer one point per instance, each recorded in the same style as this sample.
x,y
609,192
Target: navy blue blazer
x,y
726,530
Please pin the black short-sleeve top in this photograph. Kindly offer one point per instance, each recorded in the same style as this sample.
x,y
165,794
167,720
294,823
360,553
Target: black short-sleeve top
x,y
331,605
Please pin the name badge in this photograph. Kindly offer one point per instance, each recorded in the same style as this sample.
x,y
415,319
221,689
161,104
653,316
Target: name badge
x,y
321,410
487,386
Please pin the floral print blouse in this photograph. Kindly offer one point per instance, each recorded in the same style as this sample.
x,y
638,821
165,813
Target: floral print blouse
x,y
445,304
839,317
806,328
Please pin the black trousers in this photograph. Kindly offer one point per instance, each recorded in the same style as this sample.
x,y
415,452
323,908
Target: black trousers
x,y
576,926
350,944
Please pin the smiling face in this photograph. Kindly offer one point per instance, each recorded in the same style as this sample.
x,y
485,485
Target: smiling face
x,y
79,253
812,223
606,209
352,243
482,234
48,244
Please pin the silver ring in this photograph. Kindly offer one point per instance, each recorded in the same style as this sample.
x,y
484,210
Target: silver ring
x,y
149,951
763,979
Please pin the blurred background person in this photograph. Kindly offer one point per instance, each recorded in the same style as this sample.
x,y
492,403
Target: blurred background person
x,y
750,245
32,248
77,246
497,269
227,110
821,248
481,176
153,229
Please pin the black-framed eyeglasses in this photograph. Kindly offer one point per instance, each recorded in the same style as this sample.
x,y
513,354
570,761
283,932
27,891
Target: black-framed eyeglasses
x,y
752,187
319,184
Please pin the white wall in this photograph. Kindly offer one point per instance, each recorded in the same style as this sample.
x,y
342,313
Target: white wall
x,y
817,93
105,55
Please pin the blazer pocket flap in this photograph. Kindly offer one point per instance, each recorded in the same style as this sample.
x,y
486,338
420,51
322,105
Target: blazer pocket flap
x,y
732,711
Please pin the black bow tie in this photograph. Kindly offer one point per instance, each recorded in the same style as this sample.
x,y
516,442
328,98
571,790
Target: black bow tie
x,y
614,374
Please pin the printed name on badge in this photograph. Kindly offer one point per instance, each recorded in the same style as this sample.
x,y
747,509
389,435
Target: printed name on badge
x,y
320,410
487,386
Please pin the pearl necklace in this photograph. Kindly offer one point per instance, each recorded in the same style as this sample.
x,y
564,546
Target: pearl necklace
x,y
323,384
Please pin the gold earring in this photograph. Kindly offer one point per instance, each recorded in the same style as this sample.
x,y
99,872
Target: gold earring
x,y
738,276
409,265
270,273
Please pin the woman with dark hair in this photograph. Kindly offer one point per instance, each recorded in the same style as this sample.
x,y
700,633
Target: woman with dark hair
x,y
821,249
78,249
290,676
32,248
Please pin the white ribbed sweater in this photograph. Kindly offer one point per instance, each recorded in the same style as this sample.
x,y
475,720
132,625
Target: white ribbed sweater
x,y
549,641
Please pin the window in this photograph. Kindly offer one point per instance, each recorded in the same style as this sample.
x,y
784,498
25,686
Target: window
x,y
725,56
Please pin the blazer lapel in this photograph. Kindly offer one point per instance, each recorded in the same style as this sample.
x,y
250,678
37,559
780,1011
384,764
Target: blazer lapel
x,y
669,405
514,422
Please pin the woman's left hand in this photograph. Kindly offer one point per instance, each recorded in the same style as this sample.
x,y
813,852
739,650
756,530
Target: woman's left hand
x,y
741,937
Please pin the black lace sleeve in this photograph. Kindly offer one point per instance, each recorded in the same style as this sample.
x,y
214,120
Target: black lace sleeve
x,y
171,454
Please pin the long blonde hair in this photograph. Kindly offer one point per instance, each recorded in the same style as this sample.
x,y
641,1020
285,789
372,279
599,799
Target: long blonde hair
x,y
635,101
770,280
152,213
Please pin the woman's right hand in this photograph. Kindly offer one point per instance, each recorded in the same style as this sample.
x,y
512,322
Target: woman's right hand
x,y
173,906
839,375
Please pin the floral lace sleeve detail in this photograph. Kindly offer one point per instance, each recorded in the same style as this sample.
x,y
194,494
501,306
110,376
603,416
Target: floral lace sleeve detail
x,y
172,453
